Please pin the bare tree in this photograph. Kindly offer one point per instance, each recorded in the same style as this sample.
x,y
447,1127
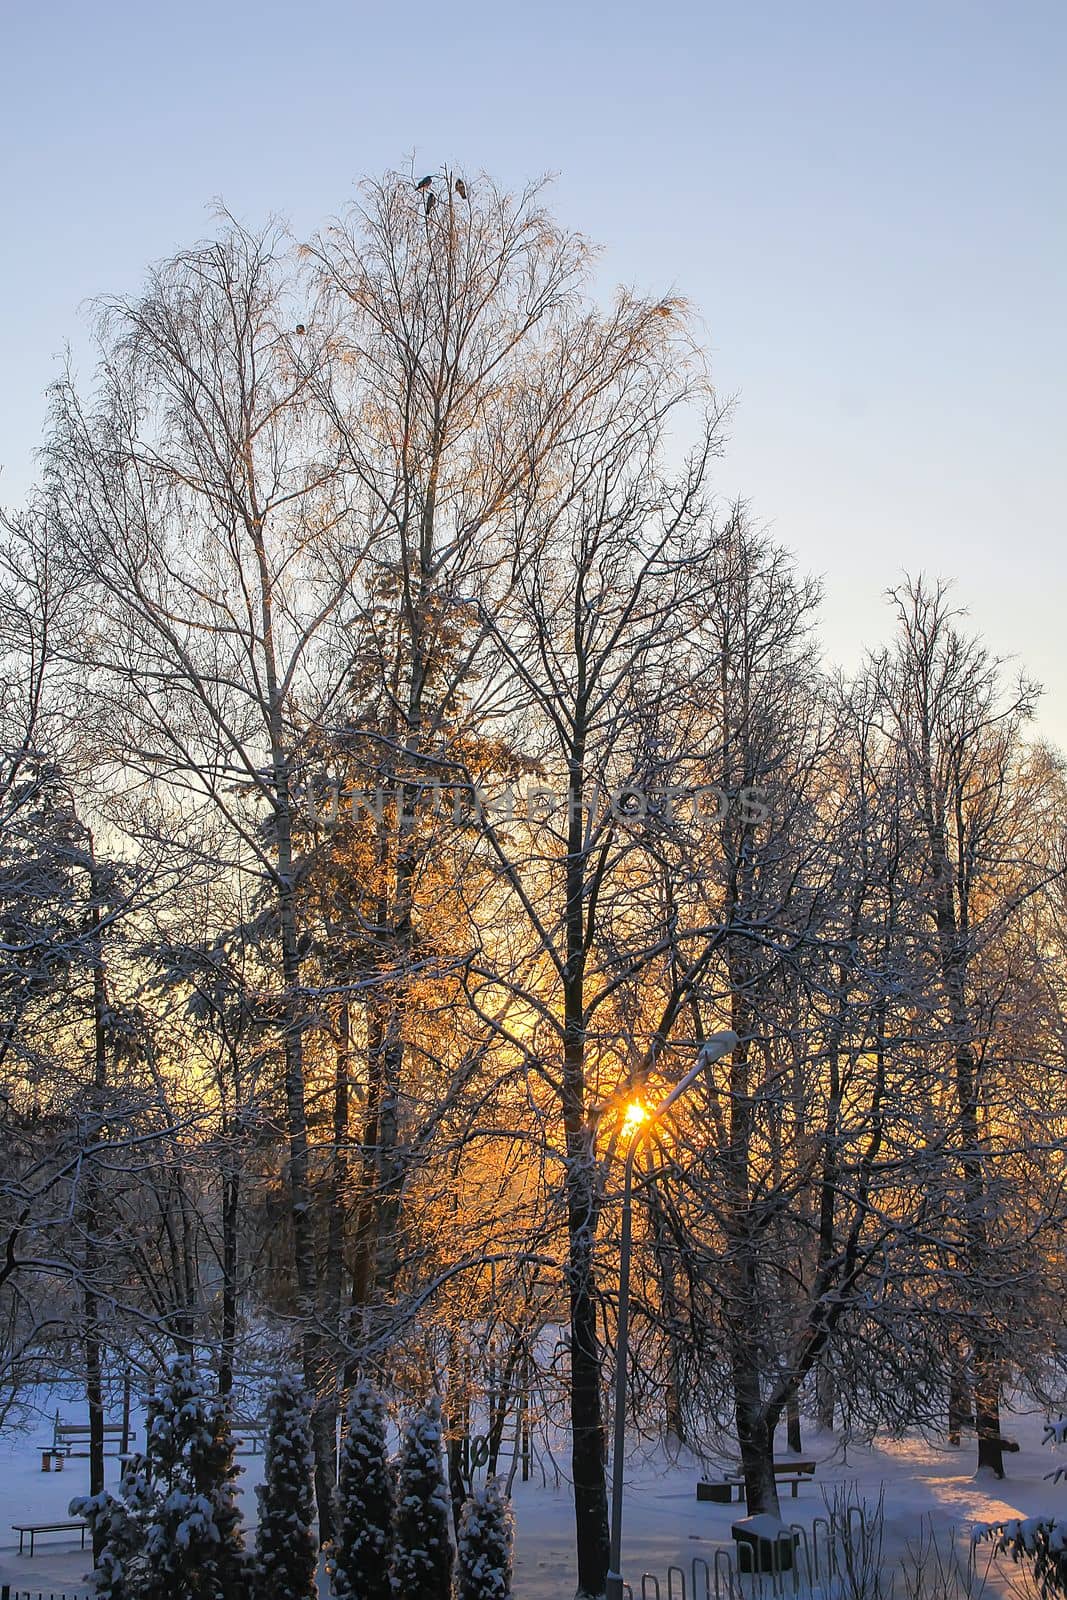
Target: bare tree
x,y
604,576
199,500
956,733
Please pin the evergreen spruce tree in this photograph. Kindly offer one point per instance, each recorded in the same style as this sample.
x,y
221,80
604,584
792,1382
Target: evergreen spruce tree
x,y
173,1531
486,1539
362,1557
422,1563
286,1559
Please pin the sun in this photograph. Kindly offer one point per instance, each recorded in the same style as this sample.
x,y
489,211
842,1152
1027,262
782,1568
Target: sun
x,y
636,1113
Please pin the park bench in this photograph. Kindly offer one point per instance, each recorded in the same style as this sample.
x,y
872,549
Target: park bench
x,y
246,1431
34,1528
66,1434
732,1484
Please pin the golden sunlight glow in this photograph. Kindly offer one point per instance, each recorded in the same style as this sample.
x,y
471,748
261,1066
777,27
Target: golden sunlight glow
x,y
636,1113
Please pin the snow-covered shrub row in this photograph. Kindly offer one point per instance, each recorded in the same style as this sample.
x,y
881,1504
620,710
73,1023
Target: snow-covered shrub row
x,y
393,1538
172,1531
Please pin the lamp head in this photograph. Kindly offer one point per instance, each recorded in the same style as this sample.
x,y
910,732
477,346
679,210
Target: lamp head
x,y
716,1046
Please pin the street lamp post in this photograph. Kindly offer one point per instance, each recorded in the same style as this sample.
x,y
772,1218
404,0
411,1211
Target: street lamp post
x,y
720,1044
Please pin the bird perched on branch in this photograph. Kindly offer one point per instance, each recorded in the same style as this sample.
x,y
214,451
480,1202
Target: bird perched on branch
x,y
424,183
461,188
300,328
431,201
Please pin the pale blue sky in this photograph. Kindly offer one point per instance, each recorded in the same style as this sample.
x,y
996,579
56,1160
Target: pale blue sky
x,y
864,200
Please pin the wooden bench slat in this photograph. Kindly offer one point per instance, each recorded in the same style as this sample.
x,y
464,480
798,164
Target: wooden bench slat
x,y
80,1428
65,1434
256,1431
786,1473
48,1527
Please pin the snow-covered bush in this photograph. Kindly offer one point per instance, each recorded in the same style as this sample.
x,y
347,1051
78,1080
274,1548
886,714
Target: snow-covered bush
x,y
1039,1541
173,1531
486,1538
362,1555
1042,1543
422,1563
1056,1433
286,1558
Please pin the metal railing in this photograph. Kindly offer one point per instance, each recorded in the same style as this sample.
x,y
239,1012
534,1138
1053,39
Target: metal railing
x,y
802,1562
7,1592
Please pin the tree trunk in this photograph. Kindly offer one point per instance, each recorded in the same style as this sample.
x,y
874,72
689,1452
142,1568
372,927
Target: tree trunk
x,y
457,1433
588,1453
325,1415
793,1437
231,1190
960,1404
588,1456
124,1442
754,1436
665,1259
94,1392
985,1356
94,1386
319,1375
987,1409
337,1192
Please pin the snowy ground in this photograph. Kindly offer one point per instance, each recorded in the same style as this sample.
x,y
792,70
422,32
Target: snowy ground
x,y
664,1523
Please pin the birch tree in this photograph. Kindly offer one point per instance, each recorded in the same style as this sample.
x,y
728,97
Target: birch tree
x,y
198,497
